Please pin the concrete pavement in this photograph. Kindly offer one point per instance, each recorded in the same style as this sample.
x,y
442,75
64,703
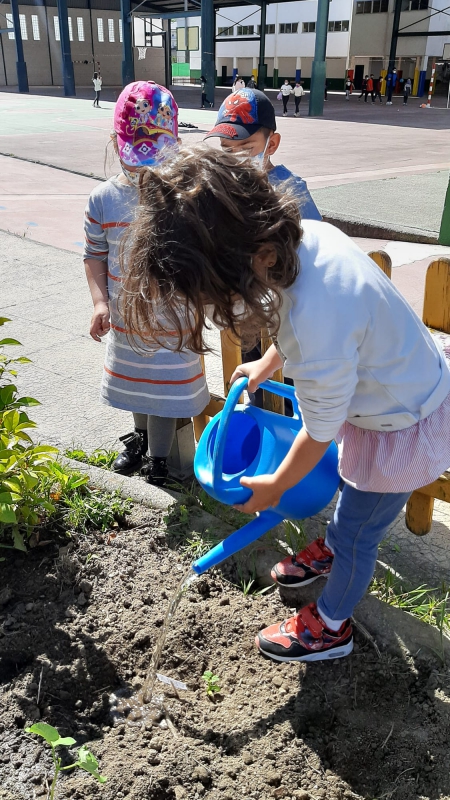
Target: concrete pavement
x,y
45,293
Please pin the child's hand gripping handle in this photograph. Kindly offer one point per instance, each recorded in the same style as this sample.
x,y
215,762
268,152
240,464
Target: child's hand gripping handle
x,y
241,495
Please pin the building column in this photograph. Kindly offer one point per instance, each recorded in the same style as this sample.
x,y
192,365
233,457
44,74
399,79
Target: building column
x,y
208,48
167,52
127,47
298,68
262,67
422,76
66,56
319,66
235,67
275,72
21,67
255,69
394,37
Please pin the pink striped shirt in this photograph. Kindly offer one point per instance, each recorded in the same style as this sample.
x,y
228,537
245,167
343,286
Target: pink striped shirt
x,y
399,461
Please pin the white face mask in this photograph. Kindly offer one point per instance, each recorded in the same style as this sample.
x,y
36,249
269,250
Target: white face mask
x,y
132,177
258,161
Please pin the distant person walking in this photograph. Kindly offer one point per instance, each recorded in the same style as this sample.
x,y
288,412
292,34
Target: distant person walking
x,y
377,89
286,91
325,90
364,88
407,89
349,86
239,83
391,82
97,81
298,94
251,84
371,88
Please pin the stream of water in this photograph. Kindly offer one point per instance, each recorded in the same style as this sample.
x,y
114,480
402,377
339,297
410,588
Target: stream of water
x,y
144,705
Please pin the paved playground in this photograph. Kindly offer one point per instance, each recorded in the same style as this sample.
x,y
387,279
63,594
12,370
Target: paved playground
x,y
43,286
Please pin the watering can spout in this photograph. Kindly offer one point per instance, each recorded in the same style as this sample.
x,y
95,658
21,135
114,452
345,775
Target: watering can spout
x,y
236,541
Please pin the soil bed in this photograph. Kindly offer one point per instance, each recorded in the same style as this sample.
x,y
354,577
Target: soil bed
x,y
79,622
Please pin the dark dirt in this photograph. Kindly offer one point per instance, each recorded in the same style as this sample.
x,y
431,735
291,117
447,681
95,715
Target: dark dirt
x,y
80,622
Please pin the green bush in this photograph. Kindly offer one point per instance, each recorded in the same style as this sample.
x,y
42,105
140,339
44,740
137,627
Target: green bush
x,y
36,490
23,465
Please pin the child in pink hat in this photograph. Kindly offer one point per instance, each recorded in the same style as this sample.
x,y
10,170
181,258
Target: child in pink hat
x,y
158,386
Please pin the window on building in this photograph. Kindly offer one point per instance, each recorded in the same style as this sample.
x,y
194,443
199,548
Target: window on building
x,y
337,26
9,19
308,27
193,38
23,26
245,30
111,36
120,31
269,29
80,29
288,27
225,31
372,6
56,26
35,27
69,20
100,31
414,5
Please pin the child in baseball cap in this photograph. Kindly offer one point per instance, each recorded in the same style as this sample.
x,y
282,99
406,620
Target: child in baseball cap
x,y
160,386
246,124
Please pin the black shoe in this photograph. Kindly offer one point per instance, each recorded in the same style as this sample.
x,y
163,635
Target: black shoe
x,y
155,470
136,444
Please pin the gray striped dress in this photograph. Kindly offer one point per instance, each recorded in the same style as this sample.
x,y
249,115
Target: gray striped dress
x,y
162,383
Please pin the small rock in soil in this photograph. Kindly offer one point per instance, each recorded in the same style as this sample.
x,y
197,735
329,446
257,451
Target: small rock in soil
x,y
82,599
302,794
273,778
180,792
201,773
86,586
247,758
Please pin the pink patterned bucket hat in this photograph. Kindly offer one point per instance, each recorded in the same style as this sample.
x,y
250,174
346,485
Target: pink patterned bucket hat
x,y
145,121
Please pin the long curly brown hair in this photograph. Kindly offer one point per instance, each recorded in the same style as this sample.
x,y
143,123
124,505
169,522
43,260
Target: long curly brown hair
x,y
203,214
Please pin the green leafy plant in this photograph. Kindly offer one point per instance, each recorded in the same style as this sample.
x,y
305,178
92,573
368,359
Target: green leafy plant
x,y
295,536
23,464
101,457
91,508
86,760
212,683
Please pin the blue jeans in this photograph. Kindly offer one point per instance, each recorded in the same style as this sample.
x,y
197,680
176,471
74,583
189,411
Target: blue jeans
x,y
360,522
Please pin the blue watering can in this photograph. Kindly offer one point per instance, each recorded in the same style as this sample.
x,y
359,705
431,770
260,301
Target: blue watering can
x,y
245,441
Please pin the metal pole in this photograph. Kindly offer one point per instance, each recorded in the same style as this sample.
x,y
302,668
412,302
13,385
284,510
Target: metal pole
x,y
21,67
262,67
444,233
66,56
127,47
167,53
319,66
431,86
394,37
448,94
208,48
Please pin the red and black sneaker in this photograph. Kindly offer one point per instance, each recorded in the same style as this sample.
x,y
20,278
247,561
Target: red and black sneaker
x,y
305,637
313,562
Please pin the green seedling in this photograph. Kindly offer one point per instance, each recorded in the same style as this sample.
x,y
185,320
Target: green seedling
x,y
101,457
86,760
212,684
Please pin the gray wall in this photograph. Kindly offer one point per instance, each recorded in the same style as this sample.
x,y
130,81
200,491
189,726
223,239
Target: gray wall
x,y
43,57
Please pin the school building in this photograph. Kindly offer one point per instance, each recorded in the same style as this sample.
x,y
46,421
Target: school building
x,y
359,40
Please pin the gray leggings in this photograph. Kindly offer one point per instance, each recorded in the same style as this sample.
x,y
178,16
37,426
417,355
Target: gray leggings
x,y
160,431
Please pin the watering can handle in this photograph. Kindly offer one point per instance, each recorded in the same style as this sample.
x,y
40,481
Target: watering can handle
x,y
234,394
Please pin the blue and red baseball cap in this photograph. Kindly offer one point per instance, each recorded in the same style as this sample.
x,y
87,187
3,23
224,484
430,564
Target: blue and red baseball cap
x,y
242,114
